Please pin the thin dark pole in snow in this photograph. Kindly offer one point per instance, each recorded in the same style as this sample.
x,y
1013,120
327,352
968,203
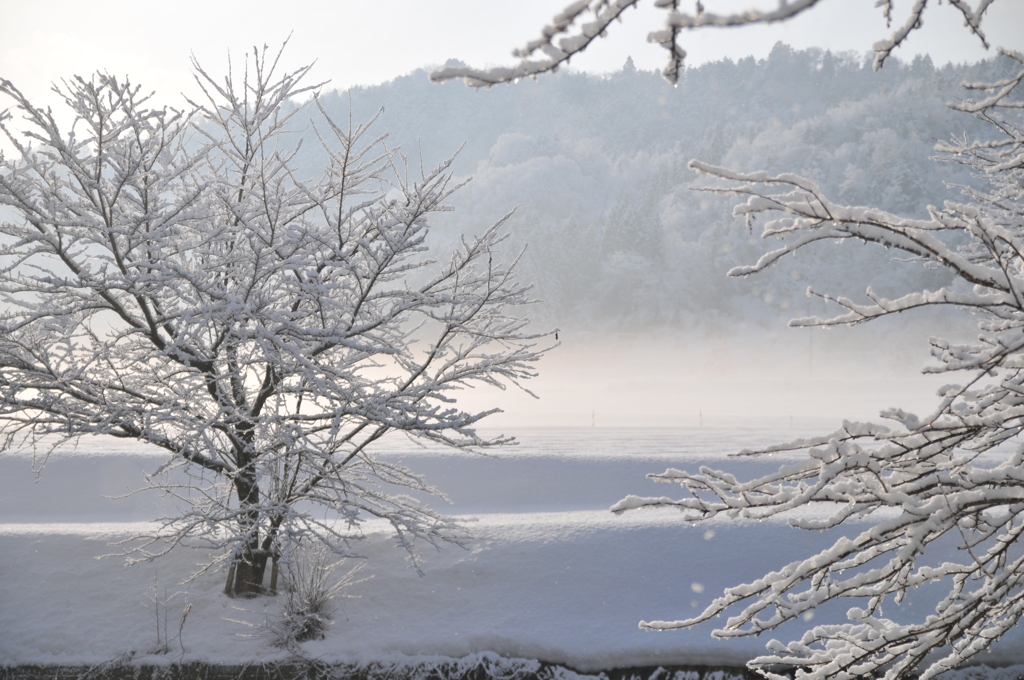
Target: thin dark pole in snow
x,y
810,351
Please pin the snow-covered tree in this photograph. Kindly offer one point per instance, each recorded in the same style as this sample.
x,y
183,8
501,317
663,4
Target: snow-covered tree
x,y
169,277
576,27
954,474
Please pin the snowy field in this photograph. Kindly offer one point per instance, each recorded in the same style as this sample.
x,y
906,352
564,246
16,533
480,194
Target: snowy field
x,y
552,575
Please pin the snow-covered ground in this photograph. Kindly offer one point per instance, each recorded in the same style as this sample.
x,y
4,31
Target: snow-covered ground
x,y
552,576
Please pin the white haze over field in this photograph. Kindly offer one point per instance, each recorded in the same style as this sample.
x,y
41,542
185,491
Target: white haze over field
x,y
631,263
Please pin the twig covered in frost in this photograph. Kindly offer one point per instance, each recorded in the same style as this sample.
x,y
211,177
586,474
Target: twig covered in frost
x,y
576,27
923,479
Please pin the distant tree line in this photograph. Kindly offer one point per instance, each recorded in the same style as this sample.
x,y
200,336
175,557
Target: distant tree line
x,y
616,238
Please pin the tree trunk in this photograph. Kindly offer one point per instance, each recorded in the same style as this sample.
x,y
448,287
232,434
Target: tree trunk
x,y
249,567
229,587
273,578
245,577
249,574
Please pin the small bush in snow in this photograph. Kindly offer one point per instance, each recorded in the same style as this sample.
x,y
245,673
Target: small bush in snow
x,y
310,587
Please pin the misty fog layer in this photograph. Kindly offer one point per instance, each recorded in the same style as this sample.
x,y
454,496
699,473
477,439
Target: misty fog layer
x,y
630,261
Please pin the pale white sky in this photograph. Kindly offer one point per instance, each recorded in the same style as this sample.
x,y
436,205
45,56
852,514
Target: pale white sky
x,y
371,41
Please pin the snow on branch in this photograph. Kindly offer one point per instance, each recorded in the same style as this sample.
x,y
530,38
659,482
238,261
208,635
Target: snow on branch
x,y
999,90
559,42
575,28
956,473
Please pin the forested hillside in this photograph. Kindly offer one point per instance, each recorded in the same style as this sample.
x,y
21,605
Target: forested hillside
x,y
617,239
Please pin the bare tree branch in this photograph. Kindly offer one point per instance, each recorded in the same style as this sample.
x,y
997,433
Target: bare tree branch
x,y
575,28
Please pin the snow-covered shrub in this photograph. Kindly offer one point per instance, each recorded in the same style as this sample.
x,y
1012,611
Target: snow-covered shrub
x,y
312,580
